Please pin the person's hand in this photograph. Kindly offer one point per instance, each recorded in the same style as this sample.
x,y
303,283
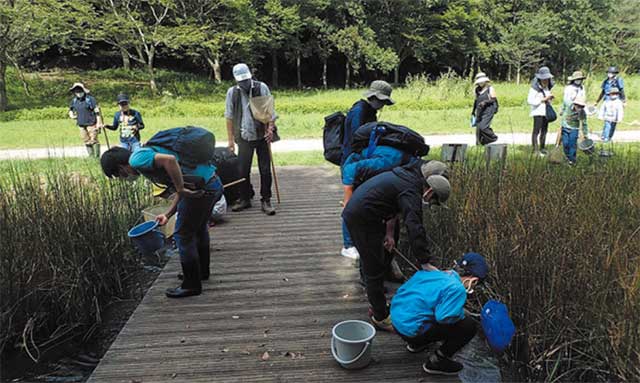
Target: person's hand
x,y
72,115
268,136
162,219
134,128
184,192
389,242
428,267
232,147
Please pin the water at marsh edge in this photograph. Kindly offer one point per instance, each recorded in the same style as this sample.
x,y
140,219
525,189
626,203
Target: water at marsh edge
x,y
480,363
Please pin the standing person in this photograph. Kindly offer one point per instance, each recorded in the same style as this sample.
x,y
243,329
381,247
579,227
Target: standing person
x,y
251,136
362,112
130,123
611,112
85,110
429,308
539,96
612,81
485,107
403,191
573,115
575,88
197,188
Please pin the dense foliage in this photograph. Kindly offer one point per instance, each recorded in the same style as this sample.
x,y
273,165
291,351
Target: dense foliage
x,y
318,42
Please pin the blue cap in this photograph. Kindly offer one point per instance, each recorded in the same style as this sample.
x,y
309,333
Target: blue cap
x,y
474,264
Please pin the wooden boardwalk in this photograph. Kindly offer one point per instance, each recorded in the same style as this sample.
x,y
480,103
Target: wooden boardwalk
x,y
278,285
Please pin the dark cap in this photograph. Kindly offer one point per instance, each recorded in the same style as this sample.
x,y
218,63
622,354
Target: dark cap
x,y
613,69
474,264
122,98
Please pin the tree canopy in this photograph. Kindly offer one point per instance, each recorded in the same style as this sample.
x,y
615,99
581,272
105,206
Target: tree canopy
x,y
320,42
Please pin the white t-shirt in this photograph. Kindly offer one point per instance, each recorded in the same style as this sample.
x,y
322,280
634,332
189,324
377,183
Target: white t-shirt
x,y
572,91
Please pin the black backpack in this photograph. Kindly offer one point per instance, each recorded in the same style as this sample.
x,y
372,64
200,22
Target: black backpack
x,y
228,169
396,136
332,136
193,145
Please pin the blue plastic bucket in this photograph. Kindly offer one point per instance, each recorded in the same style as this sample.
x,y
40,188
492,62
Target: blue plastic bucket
x,y
146,237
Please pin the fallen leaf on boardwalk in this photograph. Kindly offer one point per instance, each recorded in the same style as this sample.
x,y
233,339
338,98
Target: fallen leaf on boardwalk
x,y
225,349
235,317
183,339
345,296
285,279
289,354
262,345
246,352
323,334
265,356
173,376
136,380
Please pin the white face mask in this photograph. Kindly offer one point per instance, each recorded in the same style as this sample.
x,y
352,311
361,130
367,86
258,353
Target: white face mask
x,y
611,75
468,287
578,82
79,94
614,97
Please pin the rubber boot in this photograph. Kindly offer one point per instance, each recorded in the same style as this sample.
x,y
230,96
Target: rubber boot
x,y
191,285
96,150
89,150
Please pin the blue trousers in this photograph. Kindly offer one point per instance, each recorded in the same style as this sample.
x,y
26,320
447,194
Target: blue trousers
x,y
570,143
346,237
130,145
608,130
192,235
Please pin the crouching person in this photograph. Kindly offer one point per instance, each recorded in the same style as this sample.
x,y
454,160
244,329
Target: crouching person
x,y
403,191
197,188
573,117
429,308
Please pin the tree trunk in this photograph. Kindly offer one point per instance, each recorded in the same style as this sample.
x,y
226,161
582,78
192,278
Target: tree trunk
x,y
509,73
347,76
150,69
4,102
564,66
298,72
214,64
274,68
126,61
396,74
324,73
518,68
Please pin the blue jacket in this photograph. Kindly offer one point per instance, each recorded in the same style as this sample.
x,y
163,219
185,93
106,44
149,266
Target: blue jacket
x,y
615,82
359,114
428,297
383,158
86,109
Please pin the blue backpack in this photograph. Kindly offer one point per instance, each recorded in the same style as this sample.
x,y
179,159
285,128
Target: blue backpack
x,y
497,325
193,145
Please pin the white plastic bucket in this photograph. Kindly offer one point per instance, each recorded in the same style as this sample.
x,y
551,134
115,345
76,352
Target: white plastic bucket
x,y
351,343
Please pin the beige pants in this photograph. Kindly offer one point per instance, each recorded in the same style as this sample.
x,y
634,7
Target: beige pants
x,y
89,134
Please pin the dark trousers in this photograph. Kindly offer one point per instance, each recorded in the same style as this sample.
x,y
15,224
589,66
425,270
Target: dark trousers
x,y
540,128
192,236
368,239
245,159
454,335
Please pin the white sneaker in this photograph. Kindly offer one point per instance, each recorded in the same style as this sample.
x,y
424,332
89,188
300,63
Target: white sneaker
x,y
350,252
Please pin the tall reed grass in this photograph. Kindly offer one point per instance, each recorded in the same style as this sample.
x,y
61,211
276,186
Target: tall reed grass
x,y
564,249
64,252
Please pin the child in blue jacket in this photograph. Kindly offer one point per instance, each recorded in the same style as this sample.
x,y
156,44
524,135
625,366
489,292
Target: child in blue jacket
x,y
429,308
130,123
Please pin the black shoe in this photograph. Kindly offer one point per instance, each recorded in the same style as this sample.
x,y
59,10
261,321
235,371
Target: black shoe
x,y
179,292
202,278
267,208
438,364
241,205
416,348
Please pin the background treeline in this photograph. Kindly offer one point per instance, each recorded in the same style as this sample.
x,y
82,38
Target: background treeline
x,y
319,42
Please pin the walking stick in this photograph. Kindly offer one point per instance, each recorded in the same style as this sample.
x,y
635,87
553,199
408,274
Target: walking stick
x,y
106,137
275,176
398,253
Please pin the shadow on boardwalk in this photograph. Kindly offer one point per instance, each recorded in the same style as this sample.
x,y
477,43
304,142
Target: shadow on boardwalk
x,y
278,285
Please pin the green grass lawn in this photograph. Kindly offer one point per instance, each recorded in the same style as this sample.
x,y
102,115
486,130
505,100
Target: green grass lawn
x,y
439,107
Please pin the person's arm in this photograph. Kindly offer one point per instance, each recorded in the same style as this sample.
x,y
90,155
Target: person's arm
x,y
228,114
450,307
170,165
389,238
96,110
72,110
410,205
162,219
116,122
140,124
623,97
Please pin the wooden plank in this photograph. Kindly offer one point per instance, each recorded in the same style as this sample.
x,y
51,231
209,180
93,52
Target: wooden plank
x,y
278,285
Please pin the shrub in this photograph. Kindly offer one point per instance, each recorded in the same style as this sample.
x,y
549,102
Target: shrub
x,y
563,246
64,251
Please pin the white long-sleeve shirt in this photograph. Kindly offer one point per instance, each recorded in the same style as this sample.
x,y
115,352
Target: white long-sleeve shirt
x,y
572,91
538,108
612,111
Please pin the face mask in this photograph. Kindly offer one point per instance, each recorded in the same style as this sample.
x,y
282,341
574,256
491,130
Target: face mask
x,y
245,85
613,97
578,82
375,103
611,75
426,202
79,94
469,288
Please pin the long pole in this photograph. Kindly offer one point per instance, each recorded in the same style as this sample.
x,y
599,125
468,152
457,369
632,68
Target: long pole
x,y
398,253
275,176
